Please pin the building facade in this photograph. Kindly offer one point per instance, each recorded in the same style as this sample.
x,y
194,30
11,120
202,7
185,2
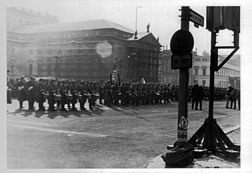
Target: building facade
x,y
200,71
85,50
19,58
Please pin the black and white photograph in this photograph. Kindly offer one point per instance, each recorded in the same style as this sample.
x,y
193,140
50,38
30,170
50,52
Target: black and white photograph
x,y
140,85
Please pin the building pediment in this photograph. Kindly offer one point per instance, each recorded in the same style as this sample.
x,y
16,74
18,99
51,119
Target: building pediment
x,y
147,38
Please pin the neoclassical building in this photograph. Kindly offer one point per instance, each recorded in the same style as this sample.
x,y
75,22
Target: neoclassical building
x,y
200,71
85,50
223,77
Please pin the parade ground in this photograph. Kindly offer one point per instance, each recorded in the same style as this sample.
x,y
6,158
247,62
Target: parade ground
x,y
115,137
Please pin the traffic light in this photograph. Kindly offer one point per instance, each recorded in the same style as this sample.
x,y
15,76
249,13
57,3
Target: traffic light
x,y
223,18
231,18
214,18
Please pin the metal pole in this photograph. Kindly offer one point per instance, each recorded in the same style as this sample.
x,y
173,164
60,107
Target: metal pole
x,y
183,86
213,65
136,19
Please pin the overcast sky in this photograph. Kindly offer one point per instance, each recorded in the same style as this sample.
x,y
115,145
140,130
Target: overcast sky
x,y
163,16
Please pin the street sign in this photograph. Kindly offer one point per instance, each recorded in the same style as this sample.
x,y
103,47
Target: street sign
x,y
181,61
196,18
182,135
183,123
182,42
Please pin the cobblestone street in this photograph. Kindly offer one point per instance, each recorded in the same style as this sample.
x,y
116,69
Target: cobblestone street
x,y
116,137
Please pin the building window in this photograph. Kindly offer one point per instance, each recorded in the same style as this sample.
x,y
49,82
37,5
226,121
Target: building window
x,y
196,69
203,83
49,69
204,71
39,68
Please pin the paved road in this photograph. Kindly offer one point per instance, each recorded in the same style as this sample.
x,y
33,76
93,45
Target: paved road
x,y
117,137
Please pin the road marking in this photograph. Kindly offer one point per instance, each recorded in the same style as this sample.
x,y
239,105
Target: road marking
x,y
58,131
31,123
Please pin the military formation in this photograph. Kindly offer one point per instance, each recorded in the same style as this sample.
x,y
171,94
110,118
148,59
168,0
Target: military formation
x,y
233,98
73,95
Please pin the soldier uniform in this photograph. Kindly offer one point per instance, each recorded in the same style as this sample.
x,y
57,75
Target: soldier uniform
x,y
31,94
21,87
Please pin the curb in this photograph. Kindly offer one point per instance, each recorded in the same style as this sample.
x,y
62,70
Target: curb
x,y
158,162
231,129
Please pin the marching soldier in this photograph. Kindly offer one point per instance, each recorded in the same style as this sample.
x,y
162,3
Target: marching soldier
x,y
138,94
149,94
134,95
156,94
40,95
101,94
90,98
162,93
127,94
123,91
144,94
51,96
31,94
166,94
82,95
21,87
63,92
115,94
9,90
73,92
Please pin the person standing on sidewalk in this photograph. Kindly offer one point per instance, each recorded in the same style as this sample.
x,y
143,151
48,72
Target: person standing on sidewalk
x,y
238,98
200,94
233,98
228,95
194,96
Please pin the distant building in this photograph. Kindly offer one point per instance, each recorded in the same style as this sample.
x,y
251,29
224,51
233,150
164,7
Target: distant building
x,y
20,58
200,71
86,50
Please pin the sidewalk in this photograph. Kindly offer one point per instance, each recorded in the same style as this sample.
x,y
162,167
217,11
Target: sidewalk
x,y
211,161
